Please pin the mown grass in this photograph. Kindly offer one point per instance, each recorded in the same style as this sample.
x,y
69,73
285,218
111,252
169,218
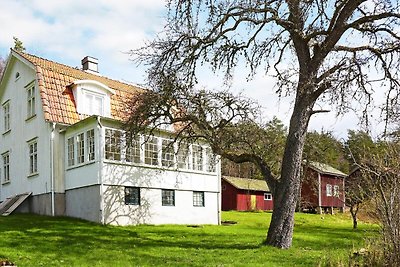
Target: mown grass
x,y
31,240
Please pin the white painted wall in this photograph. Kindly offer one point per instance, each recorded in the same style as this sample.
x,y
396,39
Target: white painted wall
x,y
111,178
23,130
144,176
84,184
151,210
83,203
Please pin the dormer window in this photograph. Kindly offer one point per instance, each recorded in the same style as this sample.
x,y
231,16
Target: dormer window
x,y
94,103
92,98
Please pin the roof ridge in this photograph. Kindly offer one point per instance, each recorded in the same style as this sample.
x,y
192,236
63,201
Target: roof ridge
x,y
24,54
59,104
325,166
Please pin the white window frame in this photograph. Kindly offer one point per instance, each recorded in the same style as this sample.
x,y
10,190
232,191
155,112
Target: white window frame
x,y
167,153
33,157
90,98
71,151
31,100
183,156
211,160
133,149
83,90
151,151
113,144
167,197
198,199
336,190
7,116
268,196
6,167
197,157
130,191
328,190
90,145
80,147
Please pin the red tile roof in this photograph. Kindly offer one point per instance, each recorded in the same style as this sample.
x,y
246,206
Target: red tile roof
x,y
57,98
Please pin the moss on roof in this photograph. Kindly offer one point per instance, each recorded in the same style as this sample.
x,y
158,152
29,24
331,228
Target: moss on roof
x,y
247,184
325,168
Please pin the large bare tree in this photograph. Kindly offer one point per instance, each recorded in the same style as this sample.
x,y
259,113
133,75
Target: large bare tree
x,y
337,51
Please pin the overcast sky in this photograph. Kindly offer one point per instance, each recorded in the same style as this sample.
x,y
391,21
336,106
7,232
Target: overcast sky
x,y
66,31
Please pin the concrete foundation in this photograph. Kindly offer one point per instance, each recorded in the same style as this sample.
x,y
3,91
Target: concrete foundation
x,y
41,204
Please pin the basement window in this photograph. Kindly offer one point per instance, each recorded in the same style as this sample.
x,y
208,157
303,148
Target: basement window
x,y
198,199
132,195
168,197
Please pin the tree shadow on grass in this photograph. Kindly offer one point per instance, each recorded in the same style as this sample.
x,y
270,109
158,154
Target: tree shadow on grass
x,y
68,238
321,237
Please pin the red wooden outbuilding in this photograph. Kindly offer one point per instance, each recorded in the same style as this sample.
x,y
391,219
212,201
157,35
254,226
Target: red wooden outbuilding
x,y
322,188
245,194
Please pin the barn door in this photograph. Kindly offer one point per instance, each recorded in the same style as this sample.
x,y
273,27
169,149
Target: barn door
x,y
253,201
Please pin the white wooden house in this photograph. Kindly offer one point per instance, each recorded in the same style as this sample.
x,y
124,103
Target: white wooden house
x,y
61,141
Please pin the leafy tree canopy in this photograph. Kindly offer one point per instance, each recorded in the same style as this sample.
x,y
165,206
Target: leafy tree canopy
x,y
18,45
325,148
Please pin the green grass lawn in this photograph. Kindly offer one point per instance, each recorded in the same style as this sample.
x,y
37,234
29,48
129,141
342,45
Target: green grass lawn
x,y
31,240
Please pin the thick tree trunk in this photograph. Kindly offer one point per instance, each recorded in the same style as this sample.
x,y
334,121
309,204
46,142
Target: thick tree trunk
x,y
286,192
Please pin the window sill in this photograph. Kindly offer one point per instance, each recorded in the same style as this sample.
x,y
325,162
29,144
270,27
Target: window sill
x,y
6,183
30,118
33,175
7,132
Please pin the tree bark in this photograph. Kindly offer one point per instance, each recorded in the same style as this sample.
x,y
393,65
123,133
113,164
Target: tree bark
x,y
353,211
280,232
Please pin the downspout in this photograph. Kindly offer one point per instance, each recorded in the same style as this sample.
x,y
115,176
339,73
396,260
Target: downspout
x,y
52,182
100,160
219,189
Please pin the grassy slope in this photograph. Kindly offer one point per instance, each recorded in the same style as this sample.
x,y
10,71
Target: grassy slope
x,y
30,240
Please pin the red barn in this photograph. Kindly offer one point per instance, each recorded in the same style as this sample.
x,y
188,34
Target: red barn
x,y
322,188
245,194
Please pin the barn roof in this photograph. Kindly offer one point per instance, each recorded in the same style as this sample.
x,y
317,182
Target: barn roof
x,y
54,80
247,184
325,168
